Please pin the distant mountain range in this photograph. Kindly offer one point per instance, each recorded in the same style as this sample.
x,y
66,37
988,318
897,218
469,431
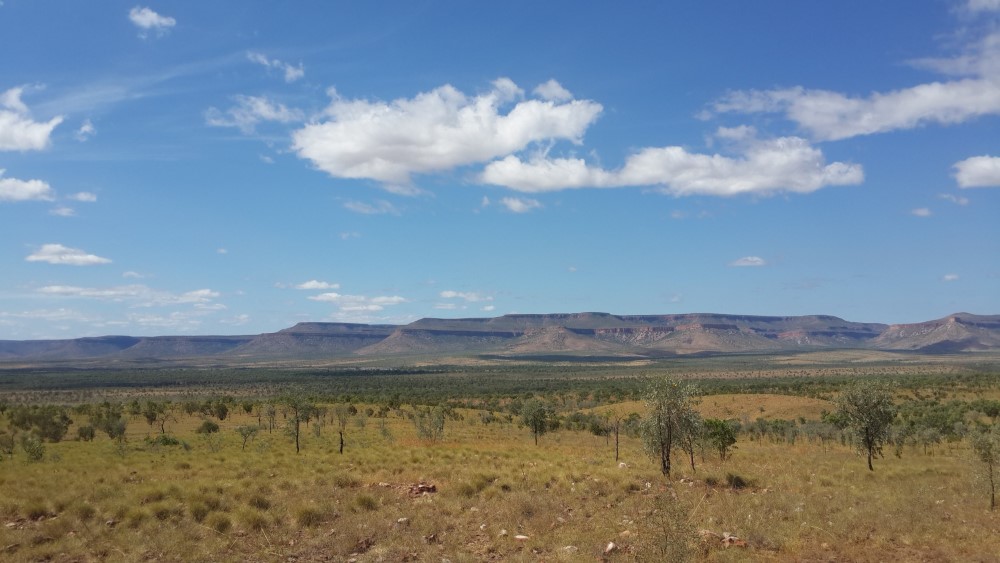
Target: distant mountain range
x,y
525,336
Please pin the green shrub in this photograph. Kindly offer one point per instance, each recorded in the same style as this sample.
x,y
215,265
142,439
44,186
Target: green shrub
x,y
207,427
85,433
164,440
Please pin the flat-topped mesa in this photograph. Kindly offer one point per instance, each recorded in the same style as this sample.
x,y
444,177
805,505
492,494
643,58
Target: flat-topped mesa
x,y
960,332
539,335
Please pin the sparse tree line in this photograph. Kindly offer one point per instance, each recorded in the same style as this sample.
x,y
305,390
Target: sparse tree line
x,y
867,417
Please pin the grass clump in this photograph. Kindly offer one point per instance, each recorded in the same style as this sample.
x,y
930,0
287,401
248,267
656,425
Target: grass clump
x,y
366,502
253,520
260,502
199,511
735,481
219,522
309,516
36,510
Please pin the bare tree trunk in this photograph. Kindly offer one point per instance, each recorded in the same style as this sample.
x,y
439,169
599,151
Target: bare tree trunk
x,y
341,441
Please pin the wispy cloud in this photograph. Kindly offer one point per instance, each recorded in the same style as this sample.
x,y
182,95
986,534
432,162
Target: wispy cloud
x,y
520,205
949,277
469,296
359,303
829,115
86,131
291,73
85,197
137,295
378,207
316,284
748,262
957,200
921,212
250,111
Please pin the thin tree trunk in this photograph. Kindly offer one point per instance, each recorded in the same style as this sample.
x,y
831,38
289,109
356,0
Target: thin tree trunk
x,y
341,441
616,444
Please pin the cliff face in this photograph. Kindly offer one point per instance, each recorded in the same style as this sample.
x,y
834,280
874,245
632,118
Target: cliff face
x,y
582,334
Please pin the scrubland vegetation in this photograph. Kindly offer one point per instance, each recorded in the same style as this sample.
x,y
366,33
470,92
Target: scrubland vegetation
x,y
434,465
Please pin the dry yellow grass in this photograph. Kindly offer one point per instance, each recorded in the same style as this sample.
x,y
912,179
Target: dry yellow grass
x,y
742,407
214,502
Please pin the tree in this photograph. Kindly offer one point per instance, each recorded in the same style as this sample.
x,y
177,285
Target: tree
x,y
535,415
429,423
297,408
986,447
866,410
671,416
271,412
246,432
343,414
721,435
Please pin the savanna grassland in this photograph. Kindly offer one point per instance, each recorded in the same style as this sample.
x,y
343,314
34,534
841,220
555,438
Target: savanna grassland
x,y
792,489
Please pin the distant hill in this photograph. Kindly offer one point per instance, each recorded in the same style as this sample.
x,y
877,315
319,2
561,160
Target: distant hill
x,y
544,336
960,332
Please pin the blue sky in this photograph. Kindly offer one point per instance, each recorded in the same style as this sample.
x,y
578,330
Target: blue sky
x,y
237,167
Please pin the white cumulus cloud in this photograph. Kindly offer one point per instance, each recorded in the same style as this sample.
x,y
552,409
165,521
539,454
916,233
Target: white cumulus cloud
x,y
762,167
147,20
978,172
59,254
249,111
12,189
921,212
438,130
291,72
18,131
552,90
